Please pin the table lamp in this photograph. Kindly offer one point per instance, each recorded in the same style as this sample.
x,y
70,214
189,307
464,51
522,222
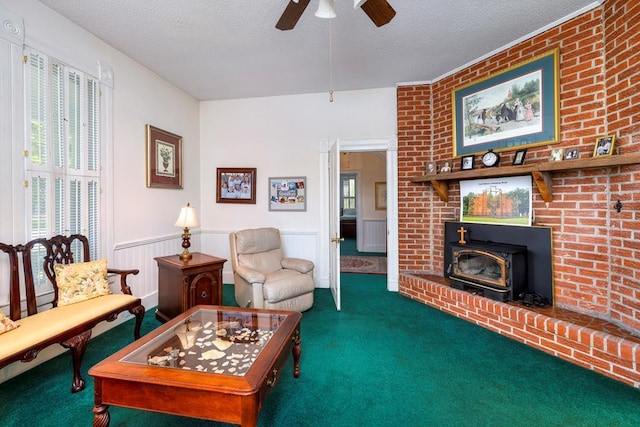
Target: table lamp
x,y
186,219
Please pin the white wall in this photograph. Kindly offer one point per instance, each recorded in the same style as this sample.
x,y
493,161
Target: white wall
x,y
140,97
280,136
139,219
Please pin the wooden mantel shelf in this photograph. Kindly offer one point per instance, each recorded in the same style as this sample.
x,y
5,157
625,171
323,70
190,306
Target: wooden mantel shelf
x,y
541,172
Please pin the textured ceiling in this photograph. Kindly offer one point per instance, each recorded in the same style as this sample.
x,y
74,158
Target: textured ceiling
x,y
227,49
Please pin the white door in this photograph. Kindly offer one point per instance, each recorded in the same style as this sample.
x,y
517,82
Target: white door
x,y
334,222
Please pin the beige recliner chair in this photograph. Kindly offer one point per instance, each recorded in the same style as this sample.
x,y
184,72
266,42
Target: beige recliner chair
x,y
264,277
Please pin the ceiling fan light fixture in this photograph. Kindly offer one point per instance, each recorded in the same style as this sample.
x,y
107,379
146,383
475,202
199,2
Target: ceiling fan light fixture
x,y
325,9
358,3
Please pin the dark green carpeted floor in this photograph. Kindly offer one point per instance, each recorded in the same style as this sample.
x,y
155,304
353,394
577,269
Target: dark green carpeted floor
x,y
384,360
349,247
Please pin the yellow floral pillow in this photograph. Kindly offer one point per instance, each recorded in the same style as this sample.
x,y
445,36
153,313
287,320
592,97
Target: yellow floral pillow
x,y
6,324
81,281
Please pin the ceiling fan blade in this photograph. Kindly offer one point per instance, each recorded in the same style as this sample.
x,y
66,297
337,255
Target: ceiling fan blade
x,y
291,14
379,11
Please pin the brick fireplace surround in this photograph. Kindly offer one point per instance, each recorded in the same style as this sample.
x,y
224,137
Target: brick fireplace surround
x,y
595,321
584,340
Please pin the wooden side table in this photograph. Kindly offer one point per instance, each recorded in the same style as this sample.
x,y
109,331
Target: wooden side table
x,y
182,285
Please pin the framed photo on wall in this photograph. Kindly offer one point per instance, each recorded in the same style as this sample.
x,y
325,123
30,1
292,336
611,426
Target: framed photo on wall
x,y
381,196
236,185
512,108
288,194
164,158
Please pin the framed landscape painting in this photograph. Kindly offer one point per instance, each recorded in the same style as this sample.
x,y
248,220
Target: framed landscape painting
x,y
504,200
517,107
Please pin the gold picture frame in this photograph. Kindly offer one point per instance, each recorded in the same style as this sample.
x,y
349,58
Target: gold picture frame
x,y
604,146
557,154
381,196
164,158
516,107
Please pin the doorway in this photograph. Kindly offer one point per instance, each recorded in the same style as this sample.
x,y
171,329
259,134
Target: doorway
x,y
389,149
363,216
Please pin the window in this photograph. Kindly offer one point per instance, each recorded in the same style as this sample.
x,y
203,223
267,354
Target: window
x,y
63,147
348,194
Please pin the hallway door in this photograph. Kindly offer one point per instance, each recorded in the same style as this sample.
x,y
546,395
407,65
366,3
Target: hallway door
x,y
334,222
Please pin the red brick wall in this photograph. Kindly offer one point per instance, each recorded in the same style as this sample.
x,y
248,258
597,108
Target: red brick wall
x,y
596,249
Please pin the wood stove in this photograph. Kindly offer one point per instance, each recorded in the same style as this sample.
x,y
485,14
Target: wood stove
x,y
499,271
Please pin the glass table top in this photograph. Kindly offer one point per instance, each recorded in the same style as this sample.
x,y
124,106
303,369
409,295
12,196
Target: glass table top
x,y
221,342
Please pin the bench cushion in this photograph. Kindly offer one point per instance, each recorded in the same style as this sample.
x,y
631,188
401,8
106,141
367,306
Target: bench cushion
x,y
44,325
81,281
6,324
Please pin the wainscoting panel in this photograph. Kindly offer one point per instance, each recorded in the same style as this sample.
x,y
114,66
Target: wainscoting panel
x,y
140,255
374,235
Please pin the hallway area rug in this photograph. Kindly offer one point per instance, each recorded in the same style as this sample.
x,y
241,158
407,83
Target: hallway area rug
x,y
363,264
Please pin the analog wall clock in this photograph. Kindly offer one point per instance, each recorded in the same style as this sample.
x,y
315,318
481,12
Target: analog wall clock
x,y
490,159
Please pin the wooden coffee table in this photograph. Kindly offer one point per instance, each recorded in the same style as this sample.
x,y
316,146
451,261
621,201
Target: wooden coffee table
x,y
233,358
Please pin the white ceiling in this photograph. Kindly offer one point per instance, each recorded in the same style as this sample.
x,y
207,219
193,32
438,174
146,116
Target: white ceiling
x,y
227,49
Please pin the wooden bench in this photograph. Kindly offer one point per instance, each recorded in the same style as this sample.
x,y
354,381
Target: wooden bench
x,y
41,320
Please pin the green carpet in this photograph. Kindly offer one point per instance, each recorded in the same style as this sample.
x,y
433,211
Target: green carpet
x,y
384,360
349,246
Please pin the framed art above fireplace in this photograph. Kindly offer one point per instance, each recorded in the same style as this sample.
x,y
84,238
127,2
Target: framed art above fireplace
x,y
500,200
516,107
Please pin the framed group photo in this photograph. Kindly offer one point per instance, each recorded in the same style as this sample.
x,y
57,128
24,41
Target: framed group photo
x,y
236,185
288,194
164,158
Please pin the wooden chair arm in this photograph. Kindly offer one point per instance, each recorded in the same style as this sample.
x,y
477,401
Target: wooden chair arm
x,y
124,287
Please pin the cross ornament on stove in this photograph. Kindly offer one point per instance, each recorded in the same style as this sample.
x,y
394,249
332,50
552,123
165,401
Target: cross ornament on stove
x,y
462,231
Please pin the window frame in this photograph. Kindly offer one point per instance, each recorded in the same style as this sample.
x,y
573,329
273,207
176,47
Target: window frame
x,y
354,198
70,171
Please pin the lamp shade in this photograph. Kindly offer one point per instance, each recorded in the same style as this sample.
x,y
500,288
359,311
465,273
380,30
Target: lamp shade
x,y
325,9
187,217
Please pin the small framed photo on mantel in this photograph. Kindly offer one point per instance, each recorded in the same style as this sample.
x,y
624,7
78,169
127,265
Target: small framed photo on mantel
x,y
466,163
557,154
518,158
604,146
571,154
431,169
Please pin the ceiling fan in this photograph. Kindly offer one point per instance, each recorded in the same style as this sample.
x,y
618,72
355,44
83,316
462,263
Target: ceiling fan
x,y
379,11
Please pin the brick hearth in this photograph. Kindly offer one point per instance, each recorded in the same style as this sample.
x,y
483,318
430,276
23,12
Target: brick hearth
x,y
586,341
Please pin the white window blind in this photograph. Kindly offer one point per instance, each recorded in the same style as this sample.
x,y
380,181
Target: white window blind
x,y
63,161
